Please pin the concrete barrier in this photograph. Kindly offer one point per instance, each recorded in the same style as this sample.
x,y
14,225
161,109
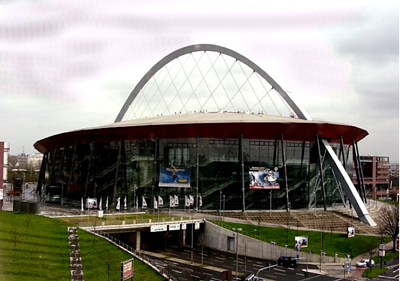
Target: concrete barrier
x,y
217,238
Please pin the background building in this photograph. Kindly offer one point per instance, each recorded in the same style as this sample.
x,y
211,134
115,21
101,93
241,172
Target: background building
x,y
394,175
376,172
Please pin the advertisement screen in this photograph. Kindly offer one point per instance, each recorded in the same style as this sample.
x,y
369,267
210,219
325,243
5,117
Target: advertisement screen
x,y
300,242
171,176
91,203
351,231
127,269
264,178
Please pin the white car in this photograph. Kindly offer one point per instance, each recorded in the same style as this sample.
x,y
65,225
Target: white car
x,y
364,263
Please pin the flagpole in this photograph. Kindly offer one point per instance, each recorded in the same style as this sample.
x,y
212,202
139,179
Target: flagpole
x,y
81,208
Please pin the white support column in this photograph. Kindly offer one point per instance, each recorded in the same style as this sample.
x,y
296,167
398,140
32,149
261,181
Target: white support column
x,y
347,185
138,240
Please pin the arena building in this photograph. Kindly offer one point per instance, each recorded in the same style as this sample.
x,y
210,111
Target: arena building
x,y
207,129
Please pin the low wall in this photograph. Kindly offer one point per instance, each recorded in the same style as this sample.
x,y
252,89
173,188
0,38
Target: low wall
x,y
216,237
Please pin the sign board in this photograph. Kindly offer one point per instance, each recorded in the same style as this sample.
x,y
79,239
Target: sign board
x,y
91,203
196,225
1,194
301,242
381,250
175,226
263,178
158,228
183,225
351,231
171,176
126,269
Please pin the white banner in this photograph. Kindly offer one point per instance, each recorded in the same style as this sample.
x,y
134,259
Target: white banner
x,y
171,201
158,228
175,226
160,201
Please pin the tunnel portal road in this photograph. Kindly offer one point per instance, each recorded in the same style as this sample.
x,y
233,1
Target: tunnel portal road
x,y
182,264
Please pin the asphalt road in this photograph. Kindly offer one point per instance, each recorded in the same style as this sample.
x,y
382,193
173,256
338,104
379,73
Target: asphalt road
x,y
391,274
182,269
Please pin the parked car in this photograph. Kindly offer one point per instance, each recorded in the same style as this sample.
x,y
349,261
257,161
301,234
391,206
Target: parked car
x,y
287,261
364,263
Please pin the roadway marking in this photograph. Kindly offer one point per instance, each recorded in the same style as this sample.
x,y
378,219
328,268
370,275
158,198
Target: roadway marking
x,y
387,277
220,258
180,272
277,269
314,277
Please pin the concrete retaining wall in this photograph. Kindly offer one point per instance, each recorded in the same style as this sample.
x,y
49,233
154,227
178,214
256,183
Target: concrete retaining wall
x,y
216,237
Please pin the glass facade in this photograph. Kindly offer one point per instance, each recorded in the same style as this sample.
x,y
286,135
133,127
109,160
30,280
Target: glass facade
x,y
134,169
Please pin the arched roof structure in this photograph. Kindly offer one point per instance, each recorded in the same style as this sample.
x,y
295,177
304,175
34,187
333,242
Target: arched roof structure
x,y
187,73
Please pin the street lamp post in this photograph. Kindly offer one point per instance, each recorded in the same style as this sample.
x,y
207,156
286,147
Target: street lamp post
x,y
267,267
223,206
321,247
237,249
270,202
220,201
191,243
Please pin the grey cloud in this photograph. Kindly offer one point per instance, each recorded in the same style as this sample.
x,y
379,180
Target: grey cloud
x,y
372,39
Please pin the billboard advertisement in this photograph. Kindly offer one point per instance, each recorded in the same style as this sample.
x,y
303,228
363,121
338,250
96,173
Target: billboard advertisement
x,y
300,242
263,178
351,231
126,269
91,203
171,176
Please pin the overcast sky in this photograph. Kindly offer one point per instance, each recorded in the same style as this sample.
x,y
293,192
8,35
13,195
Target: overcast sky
x,y
67,65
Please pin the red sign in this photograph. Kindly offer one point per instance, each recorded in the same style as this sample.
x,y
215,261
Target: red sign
x,y
126,269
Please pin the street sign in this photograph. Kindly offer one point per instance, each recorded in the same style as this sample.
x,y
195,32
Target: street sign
x,y
127,269
381,251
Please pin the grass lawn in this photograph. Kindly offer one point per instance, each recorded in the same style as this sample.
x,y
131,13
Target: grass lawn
x,y
331,242
36,248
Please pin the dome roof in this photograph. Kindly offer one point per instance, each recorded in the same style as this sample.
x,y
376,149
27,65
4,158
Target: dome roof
x,y
225,125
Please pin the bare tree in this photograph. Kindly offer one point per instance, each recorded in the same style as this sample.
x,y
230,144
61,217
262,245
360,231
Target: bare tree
x,y
109,261
389,223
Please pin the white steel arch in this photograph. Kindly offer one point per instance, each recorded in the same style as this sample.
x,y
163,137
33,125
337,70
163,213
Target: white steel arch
x,y
300,113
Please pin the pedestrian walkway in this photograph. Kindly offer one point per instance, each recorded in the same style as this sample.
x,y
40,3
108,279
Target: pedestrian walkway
x,y
337,270
75,254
